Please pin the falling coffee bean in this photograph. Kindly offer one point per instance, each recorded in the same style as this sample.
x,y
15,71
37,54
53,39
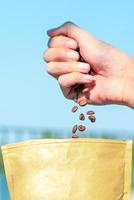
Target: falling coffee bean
x,y
75,136
90,112
74,109
74,129
92,118
83,102
82,117
81,128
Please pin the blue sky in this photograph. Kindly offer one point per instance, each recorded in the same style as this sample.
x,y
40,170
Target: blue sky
x,y
28,95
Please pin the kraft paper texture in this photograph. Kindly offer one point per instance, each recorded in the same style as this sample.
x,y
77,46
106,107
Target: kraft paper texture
x,y
69,169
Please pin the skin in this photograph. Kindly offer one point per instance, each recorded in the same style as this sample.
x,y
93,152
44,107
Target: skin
x,y
113,79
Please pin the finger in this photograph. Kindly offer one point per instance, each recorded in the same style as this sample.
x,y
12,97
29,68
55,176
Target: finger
x,y
62,41
73,31
61,54
69,80
60,68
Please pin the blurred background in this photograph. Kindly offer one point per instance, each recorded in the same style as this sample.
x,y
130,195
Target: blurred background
x,y
31,103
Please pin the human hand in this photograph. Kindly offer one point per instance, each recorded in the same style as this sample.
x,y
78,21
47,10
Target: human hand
x,y
113,69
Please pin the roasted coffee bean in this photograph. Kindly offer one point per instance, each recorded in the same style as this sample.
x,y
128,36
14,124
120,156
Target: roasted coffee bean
x,y
92,73
90,112
81,128
92,118
82,117
74,129
74,109
75,136
83,102
79,89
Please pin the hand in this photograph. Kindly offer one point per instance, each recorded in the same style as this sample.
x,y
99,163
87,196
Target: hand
x,y
114,70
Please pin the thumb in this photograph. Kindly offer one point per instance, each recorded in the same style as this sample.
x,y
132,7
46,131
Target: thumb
x,y
73,31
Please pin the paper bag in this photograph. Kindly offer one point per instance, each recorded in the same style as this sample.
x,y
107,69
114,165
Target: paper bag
x,y
69,169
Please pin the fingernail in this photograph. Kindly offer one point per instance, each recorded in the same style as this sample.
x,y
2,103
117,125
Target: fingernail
x,y
72,55
88,78
84,66
71,44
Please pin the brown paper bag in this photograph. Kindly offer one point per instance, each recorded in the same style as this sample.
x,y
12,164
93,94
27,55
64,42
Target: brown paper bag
x,y
69,169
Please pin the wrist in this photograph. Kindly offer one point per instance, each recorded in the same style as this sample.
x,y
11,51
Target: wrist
x,y
128,98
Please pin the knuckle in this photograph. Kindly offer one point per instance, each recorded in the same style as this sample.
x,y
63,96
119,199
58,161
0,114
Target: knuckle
x,y
73,66
50,68
60,80
69,26
49,43
45,55
69,23
75,76
55,41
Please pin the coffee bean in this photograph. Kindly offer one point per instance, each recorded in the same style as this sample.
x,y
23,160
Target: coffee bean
x,y
82,117
74,129
74,109
79,89
92,118
92,73
81,128
90,112
83,102
75,136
